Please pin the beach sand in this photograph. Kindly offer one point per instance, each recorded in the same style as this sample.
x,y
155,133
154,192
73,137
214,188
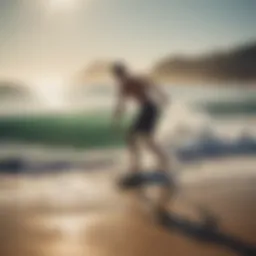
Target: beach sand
x,y
80,214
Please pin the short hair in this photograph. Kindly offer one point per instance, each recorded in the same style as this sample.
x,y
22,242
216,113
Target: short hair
x,y
119,67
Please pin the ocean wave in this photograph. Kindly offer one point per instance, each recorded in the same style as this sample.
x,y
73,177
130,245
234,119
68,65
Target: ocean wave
x,y
23,158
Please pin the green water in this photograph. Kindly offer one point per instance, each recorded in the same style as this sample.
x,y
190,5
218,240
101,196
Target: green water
x,y
79,130
92,130
247,107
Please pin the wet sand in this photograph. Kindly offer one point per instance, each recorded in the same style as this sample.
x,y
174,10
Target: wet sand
x,y
85,214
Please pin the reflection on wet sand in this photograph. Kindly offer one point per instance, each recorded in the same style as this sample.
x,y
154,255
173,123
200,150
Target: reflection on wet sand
x,y
82,214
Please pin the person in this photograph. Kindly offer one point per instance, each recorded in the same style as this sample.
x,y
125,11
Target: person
x,y
149,98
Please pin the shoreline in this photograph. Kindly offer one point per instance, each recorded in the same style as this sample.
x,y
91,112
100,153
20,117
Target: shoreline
x,y
84,214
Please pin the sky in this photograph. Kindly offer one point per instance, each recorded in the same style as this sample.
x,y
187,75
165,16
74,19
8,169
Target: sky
x,y
56,38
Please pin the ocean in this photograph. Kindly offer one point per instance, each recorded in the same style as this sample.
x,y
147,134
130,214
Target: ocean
x,y
79,129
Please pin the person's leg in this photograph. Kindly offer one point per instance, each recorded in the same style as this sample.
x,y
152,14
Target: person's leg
x,y
158,151
167,193
134,152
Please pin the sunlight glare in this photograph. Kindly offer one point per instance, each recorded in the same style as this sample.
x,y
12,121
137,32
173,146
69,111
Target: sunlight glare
x,y
50,91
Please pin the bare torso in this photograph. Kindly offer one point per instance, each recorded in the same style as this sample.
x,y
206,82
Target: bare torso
x,y
136,89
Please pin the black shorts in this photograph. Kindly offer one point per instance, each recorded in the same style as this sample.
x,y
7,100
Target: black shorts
x,y
147,119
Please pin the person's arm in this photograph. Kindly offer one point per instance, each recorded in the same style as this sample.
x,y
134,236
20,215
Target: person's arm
x,y
119,108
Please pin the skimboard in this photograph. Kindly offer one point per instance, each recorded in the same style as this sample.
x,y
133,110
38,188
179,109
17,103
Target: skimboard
x,y
140,179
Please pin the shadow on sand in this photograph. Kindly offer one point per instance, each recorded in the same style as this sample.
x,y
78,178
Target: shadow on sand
x,y
206,233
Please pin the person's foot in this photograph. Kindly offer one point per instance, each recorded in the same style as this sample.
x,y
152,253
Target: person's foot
x,y
163,217
131,181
